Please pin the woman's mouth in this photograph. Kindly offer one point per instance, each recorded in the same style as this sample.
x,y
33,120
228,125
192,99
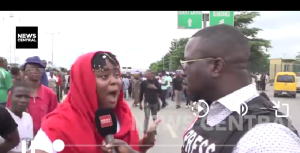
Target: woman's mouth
x,y
113,94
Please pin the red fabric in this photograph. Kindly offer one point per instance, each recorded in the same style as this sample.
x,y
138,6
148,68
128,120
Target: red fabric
x,y
74,120
40,106
59,80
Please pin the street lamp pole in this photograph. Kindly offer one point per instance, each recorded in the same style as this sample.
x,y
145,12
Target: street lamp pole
x,y
52,36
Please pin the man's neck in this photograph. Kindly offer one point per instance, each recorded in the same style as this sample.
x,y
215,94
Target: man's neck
x,y
17,113
34,84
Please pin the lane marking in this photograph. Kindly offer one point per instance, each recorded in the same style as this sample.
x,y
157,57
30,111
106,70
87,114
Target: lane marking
x,y
172,132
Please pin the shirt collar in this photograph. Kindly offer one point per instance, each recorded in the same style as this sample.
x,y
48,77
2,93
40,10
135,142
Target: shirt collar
x,y
40,93
239,97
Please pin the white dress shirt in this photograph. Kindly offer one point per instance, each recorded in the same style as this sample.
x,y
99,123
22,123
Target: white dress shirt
x,y
262,138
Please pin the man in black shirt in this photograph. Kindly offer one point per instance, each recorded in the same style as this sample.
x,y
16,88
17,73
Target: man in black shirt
x,y
150,89
8,131
177,87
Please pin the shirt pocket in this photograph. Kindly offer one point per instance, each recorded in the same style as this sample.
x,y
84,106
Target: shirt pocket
x,y
44,109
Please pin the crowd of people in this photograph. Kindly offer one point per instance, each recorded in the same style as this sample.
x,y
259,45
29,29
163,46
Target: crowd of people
x,y
260,79
214,70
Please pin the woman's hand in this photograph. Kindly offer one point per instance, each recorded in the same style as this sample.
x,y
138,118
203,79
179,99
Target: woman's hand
x,y
119,145
149,138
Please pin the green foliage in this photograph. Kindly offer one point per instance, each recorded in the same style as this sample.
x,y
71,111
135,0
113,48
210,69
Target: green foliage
x,y
259,60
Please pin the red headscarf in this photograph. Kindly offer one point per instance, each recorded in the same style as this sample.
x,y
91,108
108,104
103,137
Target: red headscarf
x,y
74,120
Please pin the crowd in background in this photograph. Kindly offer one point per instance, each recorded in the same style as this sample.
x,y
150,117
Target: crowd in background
x,y
260,79
174,89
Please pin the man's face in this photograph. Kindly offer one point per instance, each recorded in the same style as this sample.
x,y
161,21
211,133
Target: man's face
x,y
20,98
149,75
199,73
34,72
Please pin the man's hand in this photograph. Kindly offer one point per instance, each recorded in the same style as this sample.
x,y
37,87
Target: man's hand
x,y
149,138
152,86
120,146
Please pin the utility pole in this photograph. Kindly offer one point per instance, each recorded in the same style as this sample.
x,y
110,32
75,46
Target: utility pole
x,y
52,35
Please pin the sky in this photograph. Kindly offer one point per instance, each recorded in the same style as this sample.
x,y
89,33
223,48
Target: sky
x,y
137,38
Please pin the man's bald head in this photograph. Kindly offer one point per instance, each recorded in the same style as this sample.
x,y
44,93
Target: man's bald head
x,y
224,41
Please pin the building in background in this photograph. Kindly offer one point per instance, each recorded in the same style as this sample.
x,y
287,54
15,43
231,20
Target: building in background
x,y
282,65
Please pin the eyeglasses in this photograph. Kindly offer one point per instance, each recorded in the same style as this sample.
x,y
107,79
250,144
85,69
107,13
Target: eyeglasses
x,y
32,69
184,64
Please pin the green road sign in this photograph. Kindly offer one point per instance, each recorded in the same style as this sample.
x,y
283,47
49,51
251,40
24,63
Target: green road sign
x,y
221,17
189,20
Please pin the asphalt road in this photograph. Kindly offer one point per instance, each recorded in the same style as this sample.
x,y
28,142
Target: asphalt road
x,y
175,121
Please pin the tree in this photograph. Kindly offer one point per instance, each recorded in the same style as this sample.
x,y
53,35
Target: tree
x,y
259,61
171,60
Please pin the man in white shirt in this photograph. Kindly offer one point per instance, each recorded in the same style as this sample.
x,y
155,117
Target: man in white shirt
x,y
215,63
20,99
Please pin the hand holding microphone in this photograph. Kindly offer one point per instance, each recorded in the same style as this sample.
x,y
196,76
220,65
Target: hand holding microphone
x,y
106,123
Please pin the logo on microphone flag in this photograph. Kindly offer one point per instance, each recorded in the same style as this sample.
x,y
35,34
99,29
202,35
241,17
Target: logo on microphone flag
x,y
105,121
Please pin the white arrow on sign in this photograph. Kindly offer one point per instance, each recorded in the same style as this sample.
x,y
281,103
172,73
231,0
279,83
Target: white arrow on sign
x,y
221,21
277,106
190,22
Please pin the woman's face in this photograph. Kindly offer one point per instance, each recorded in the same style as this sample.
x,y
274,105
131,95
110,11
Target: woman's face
x,y
108,84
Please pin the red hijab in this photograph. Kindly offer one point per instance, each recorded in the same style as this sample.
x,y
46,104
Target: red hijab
x,y
74,120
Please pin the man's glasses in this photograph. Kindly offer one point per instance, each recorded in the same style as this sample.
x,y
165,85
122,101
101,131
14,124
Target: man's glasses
x,y
33,69
184,64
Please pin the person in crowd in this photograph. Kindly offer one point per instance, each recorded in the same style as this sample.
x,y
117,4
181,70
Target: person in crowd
x,y
95,83
58,85
216,61
130,85
258,81
16,74
263,82
42,99
177,87
22,74
20,98
8,131
67,84
164,89
185,92
149,89
52,80
5,82
136,84
126,86
169,86
63,81
44,79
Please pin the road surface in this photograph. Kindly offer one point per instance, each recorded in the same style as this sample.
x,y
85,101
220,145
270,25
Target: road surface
x,y
175,121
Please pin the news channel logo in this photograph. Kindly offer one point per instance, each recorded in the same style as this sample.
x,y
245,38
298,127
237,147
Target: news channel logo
x,y
26,37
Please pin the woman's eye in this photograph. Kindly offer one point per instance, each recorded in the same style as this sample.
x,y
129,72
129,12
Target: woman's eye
x,y
117,75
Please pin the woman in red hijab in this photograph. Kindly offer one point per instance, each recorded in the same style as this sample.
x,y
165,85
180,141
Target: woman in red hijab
x,y
95,83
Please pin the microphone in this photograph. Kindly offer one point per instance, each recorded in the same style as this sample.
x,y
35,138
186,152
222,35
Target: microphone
x,y
106,123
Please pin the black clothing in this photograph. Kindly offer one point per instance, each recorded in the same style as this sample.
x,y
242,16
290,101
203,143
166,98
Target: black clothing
x,y
150,94
223,141
7,123
177,83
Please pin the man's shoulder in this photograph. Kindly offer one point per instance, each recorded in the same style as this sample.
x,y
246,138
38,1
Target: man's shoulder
x,y
27,116
48,90
268,133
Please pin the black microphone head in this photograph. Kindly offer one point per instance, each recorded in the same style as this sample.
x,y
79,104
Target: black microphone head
x,y
106,122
